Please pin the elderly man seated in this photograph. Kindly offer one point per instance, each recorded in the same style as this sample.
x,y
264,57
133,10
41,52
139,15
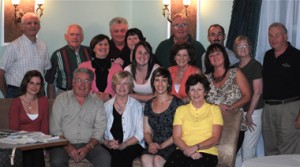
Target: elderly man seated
x,y
79,116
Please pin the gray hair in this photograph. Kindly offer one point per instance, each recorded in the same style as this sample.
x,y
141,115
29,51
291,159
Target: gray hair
x,y
86,71
26,15
277,24
74,25
118,20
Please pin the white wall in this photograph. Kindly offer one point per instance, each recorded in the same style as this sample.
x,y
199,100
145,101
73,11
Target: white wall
x,y
94,17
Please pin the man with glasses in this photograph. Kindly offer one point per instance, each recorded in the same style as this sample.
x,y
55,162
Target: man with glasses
x,y
79,116
216,34
180,35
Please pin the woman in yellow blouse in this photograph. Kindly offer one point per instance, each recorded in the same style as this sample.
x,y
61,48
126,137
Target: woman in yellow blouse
x,y
197,128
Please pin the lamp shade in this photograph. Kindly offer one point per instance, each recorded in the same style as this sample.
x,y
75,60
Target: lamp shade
x,y
40,1
166,2
187,2
15,2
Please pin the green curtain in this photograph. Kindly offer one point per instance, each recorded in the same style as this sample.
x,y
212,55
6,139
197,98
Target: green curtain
x,y
244,21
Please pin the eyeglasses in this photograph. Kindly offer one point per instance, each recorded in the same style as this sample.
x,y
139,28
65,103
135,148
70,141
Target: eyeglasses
x,y
79,80
182,25
242,46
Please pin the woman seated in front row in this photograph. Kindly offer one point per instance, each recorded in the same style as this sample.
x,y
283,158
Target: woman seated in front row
x,y
29,112
158,120
123,137
197,128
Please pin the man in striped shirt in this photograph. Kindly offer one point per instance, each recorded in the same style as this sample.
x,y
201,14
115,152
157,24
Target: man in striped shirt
x,y
65,60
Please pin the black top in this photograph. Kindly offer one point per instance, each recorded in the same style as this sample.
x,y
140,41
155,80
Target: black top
x,y
281,75
115,53
116,128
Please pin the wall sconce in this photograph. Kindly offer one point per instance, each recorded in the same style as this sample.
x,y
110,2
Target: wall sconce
x,y
39,10
166,11
186,4
19,12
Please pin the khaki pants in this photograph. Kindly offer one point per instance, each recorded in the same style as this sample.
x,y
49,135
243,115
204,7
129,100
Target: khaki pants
x,y
278,128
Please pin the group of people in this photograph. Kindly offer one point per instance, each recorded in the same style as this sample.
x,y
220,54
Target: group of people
x,y
116,100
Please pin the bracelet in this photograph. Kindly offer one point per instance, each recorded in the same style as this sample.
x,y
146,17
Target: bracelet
x,y
198,146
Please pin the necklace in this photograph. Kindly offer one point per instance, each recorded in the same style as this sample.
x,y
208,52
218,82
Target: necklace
x,y
29,103
219,79
119,107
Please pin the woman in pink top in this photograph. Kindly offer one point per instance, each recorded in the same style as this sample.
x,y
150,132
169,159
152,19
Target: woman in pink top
x,y
102,67
29,112
183,59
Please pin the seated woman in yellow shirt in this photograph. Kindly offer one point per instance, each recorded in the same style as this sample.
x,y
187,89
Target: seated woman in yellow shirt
x,y
197,128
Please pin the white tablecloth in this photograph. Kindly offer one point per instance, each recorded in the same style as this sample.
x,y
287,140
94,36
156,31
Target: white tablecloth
x,y
292,160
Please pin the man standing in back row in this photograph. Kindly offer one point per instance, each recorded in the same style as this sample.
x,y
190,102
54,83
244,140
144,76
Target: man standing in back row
x,y
216,34
65,60
281,76
118,52
179,28
23,54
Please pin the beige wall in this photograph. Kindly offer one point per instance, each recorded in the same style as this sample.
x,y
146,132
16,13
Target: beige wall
x,y
94,17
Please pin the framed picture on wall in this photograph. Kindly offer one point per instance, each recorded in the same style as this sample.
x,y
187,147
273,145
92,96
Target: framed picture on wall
x,y
10,21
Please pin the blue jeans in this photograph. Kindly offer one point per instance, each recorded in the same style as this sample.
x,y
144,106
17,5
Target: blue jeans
x,y
12,92
98,156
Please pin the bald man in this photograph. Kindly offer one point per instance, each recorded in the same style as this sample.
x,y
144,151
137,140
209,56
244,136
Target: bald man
x,y
23,54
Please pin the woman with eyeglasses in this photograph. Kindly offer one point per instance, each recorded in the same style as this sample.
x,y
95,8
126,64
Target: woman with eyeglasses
x,y
29,112
103,68
253,109
230,89
123,137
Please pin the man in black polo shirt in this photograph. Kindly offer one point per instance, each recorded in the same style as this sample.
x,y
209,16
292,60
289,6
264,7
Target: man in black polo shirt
x,y
281,75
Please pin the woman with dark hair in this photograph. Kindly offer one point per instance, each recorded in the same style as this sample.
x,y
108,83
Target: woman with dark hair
x,y
158,120
103,68
132,37
29,112
197,128
123,137
229,87
141,69
183,59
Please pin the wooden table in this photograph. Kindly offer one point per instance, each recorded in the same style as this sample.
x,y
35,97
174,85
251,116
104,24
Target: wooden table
x,y
51,143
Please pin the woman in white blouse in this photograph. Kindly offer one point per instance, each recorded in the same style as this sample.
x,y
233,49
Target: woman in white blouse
x,y
141,69
123,136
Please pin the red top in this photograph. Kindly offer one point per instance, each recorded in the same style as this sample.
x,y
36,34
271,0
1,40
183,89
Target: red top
x,y
174,70
19,120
